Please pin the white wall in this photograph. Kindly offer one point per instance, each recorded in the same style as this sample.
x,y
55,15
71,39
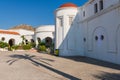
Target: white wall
x,y
7,37
23,31
44,31
105,22
109,22
68,39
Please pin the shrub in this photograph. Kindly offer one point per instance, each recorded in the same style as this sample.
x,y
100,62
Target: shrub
x,y
3,44
33,44
42,43
57,52
42,48
27,47
15,47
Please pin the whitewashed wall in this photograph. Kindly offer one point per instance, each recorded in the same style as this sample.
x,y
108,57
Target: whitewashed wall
x,y
70,39
7,37
44,31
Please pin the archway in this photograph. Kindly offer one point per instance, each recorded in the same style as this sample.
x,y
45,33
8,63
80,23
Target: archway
x,y
11,42
100,43
32,41
48,41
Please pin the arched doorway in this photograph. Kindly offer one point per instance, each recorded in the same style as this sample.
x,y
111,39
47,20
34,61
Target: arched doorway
x,y
48,41
12,42
100,43
32,41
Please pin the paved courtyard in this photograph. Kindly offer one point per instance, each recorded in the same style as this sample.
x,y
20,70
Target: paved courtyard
x,y
27,65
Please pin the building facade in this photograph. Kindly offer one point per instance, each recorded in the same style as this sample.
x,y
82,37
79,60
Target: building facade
x,y
91,30
13,36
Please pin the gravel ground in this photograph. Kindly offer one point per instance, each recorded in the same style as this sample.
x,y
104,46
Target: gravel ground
x,y
28,65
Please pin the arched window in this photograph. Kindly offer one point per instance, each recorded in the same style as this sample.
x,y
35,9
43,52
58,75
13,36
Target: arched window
x,y
32,41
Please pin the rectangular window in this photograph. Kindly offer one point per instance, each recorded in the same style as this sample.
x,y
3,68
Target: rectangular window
x,y
60,19
83,13
95,8
70,20
101,4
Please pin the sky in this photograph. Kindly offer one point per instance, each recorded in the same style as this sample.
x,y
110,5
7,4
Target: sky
x,y
30,12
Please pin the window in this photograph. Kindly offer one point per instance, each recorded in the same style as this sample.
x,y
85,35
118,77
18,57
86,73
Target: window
x,y
26,41
32,41
101,4
60,19
96,38
102,37
70,20
95,8
3,38
84,39
83,13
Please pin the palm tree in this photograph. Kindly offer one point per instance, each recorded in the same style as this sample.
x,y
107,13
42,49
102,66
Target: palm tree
x,y
23,39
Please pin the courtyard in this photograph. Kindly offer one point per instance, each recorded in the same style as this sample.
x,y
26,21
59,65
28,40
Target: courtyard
x,y
31,65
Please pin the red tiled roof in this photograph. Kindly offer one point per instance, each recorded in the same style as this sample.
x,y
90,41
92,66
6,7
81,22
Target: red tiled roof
x,y
9,32
68,5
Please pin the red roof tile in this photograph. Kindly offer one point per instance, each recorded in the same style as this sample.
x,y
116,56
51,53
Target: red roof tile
x,y
68,5
9,32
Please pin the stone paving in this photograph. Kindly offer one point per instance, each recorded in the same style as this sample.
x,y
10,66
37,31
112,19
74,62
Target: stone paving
x,y
27,65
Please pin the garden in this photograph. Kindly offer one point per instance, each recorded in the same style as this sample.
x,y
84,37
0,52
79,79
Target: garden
x,y
42,46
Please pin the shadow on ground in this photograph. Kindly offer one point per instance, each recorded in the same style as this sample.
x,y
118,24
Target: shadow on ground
x,y
108,76
94,62
33,59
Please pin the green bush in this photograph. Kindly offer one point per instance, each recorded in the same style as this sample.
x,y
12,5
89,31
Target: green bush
x,y
27,47
42,48
57,52
3,44
33,44
15,47
42,43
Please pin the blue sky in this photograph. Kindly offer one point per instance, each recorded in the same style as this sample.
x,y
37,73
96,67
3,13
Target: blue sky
x,y
31,12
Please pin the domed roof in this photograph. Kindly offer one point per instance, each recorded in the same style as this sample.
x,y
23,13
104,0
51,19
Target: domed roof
x,y
68,5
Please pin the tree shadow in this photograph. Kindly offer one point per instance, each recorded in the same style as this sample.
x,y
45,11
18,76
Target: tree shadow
x,y
32,59
108,76
94,61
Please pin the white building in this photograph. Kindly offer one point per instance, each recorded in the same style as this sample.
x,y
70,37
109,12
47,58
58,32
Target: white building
x,y
13,35
44,33
10,37
90,30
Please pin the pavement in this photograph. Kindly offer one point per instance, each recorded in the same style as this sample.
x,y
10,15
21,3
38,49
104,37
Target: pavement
x,y
31,65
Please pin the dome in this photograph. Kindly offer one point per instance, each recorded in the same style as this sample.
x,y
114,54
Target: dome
x,y
68,5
